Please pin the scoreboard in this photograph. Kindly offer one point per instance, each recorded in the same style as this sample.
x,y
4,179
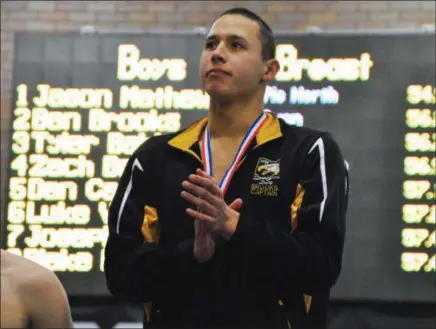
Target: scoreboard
x,y
83,103
419,187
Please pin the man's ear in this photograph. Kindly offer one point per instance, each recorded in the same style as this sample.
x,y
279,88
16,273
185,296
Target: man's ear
x,y
272,67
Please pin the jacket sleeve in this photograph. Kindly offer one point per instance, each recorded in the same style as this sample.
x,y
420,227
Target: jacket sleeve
x,y
307,258
136,270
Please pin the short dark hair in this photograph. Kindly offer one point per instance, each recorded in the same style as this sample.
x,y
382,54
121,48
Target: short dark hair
x,y
266,34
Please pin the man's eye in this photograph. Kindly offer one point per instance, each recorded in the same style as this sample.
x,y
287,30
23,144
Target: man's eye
x,y
210,45
236,45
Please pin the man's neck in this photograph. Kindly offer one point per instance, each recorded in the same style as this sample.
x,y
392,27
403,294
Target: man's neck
x,y
233,119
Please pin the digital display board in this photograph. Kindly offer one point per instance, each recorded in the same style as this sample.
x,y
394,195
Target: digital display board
x,y
419,189
83,103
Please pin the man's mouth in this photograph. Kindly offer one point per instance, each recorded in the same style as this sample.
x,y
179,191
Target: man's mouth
x,y
217,72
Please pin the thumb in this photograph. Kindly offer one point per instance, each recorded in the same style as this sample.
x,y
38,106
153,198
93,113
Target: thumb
x,y
236,204
201,229
197,227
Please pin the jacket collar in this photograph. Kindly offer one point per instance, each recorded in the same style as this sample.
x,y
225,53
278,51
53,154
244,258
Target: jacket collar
x,y
184,141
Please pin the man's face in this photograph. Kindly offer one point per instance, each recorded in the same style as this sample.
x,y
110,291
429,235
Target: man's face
x,y
233,52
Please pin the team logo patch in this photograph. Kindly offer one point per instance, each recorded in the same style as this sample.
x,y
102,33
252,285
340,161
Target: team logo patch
x,y
266,175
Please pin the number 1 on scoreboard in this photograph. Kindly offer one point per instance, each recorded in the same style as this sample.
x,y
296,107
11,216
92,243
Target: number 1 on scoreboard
x,y
21,96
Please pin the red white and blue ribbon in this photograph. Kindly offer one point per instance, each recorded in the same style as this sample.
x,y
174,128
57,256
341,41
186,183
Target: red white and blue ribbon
x,y
206,152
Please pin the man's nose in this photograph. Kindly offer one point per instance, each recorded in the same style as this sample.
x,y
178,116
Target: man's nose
x,y
218,55
217,59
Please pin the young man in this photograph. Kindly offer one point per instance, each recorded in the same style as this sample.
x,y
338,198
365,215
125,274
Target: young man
x,y
253,239
31,295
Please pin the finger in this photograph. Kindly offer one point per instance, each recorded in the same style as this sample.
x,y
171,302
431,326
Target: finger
x,y
206,175
197,228
200,216
201,172
207,183
201,192
200,233
198,202
236,204
204,229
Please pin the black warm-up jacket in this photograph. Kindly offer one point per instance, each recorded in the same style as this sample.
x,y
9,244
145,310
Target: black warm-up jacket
x,y
278,267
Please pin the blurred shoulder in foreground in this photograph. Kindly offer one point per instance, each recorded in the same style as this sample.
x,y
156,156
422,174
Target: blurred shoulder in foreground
x,y
31,295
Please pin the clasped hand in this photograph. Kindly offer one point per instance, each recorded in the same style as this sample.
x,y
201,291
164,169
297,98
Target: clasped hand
x,y
212,214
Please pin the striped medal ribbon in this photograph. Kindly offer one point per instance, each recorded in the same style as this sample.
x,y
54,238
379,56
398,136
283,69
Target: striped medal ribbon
x,y
206,152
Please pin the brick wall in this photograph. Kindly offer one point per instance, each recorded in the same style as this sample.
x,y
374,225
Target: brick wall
x,y
283,15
